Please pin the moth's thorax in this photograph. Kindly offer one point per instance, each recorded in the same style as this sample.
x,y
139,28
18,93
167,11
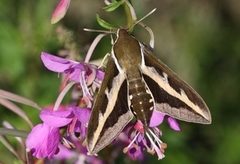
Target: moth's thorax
x,y
126,50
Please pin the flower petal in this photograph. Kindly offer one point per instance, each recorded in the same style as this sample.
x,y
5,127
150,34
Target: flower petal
x,y
139,126
83,114
91,75
83,130
100,75
173,124
65,153
43,141
156,119
134,153
56,64
56,118
60,11
74,71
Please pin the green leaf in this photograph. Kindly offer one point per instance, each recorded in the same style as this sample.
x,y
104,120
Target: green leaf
x,y
113,6
104,24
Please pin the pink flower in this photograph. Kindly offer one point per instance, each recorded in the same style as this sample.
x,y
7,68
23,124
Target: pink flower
x,y
60,11
158,117
43,141
142,138
80,120
83,73
72,68
44,138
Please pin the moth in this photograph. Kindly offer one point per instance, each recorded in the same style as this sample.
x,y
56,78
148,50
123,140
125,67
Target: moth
x,y
135,83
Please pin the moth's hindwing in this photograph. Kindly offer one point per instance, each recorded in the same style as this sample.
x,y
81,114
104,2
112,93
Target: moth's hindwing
x,y
172,95
110,113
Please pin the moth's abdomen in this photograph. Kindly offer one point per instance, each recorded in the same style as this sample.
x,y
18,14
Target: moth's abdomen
x,y
141,100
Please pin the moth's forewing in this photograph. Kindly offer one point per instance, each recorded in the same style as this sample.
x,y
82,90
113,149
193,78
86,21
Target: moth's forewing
x,y
172,95
110,112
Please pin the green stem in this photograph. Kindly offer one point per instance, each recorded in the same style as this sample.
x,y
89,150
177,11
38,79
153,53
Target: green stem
x,y
130,20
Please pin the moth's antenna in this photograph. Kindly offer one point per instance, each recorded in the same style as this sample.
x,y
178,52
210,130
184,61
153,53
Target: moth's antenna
x,y
151,43
96,41
143,17
100,31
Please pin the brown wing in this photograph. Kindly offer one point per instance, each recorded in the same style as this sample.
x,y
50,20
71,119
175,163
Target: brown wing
x,y
172,95
111,112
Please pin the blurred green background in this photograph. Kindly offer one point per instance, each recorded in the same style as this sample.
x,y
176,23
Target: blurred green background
x,y
199,40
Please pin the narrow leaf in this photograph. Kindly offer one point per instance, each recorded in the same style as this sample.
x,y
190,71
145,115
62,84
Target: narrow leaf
x,y
113,6
104,24
6,143
17,98
16,109
13,132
